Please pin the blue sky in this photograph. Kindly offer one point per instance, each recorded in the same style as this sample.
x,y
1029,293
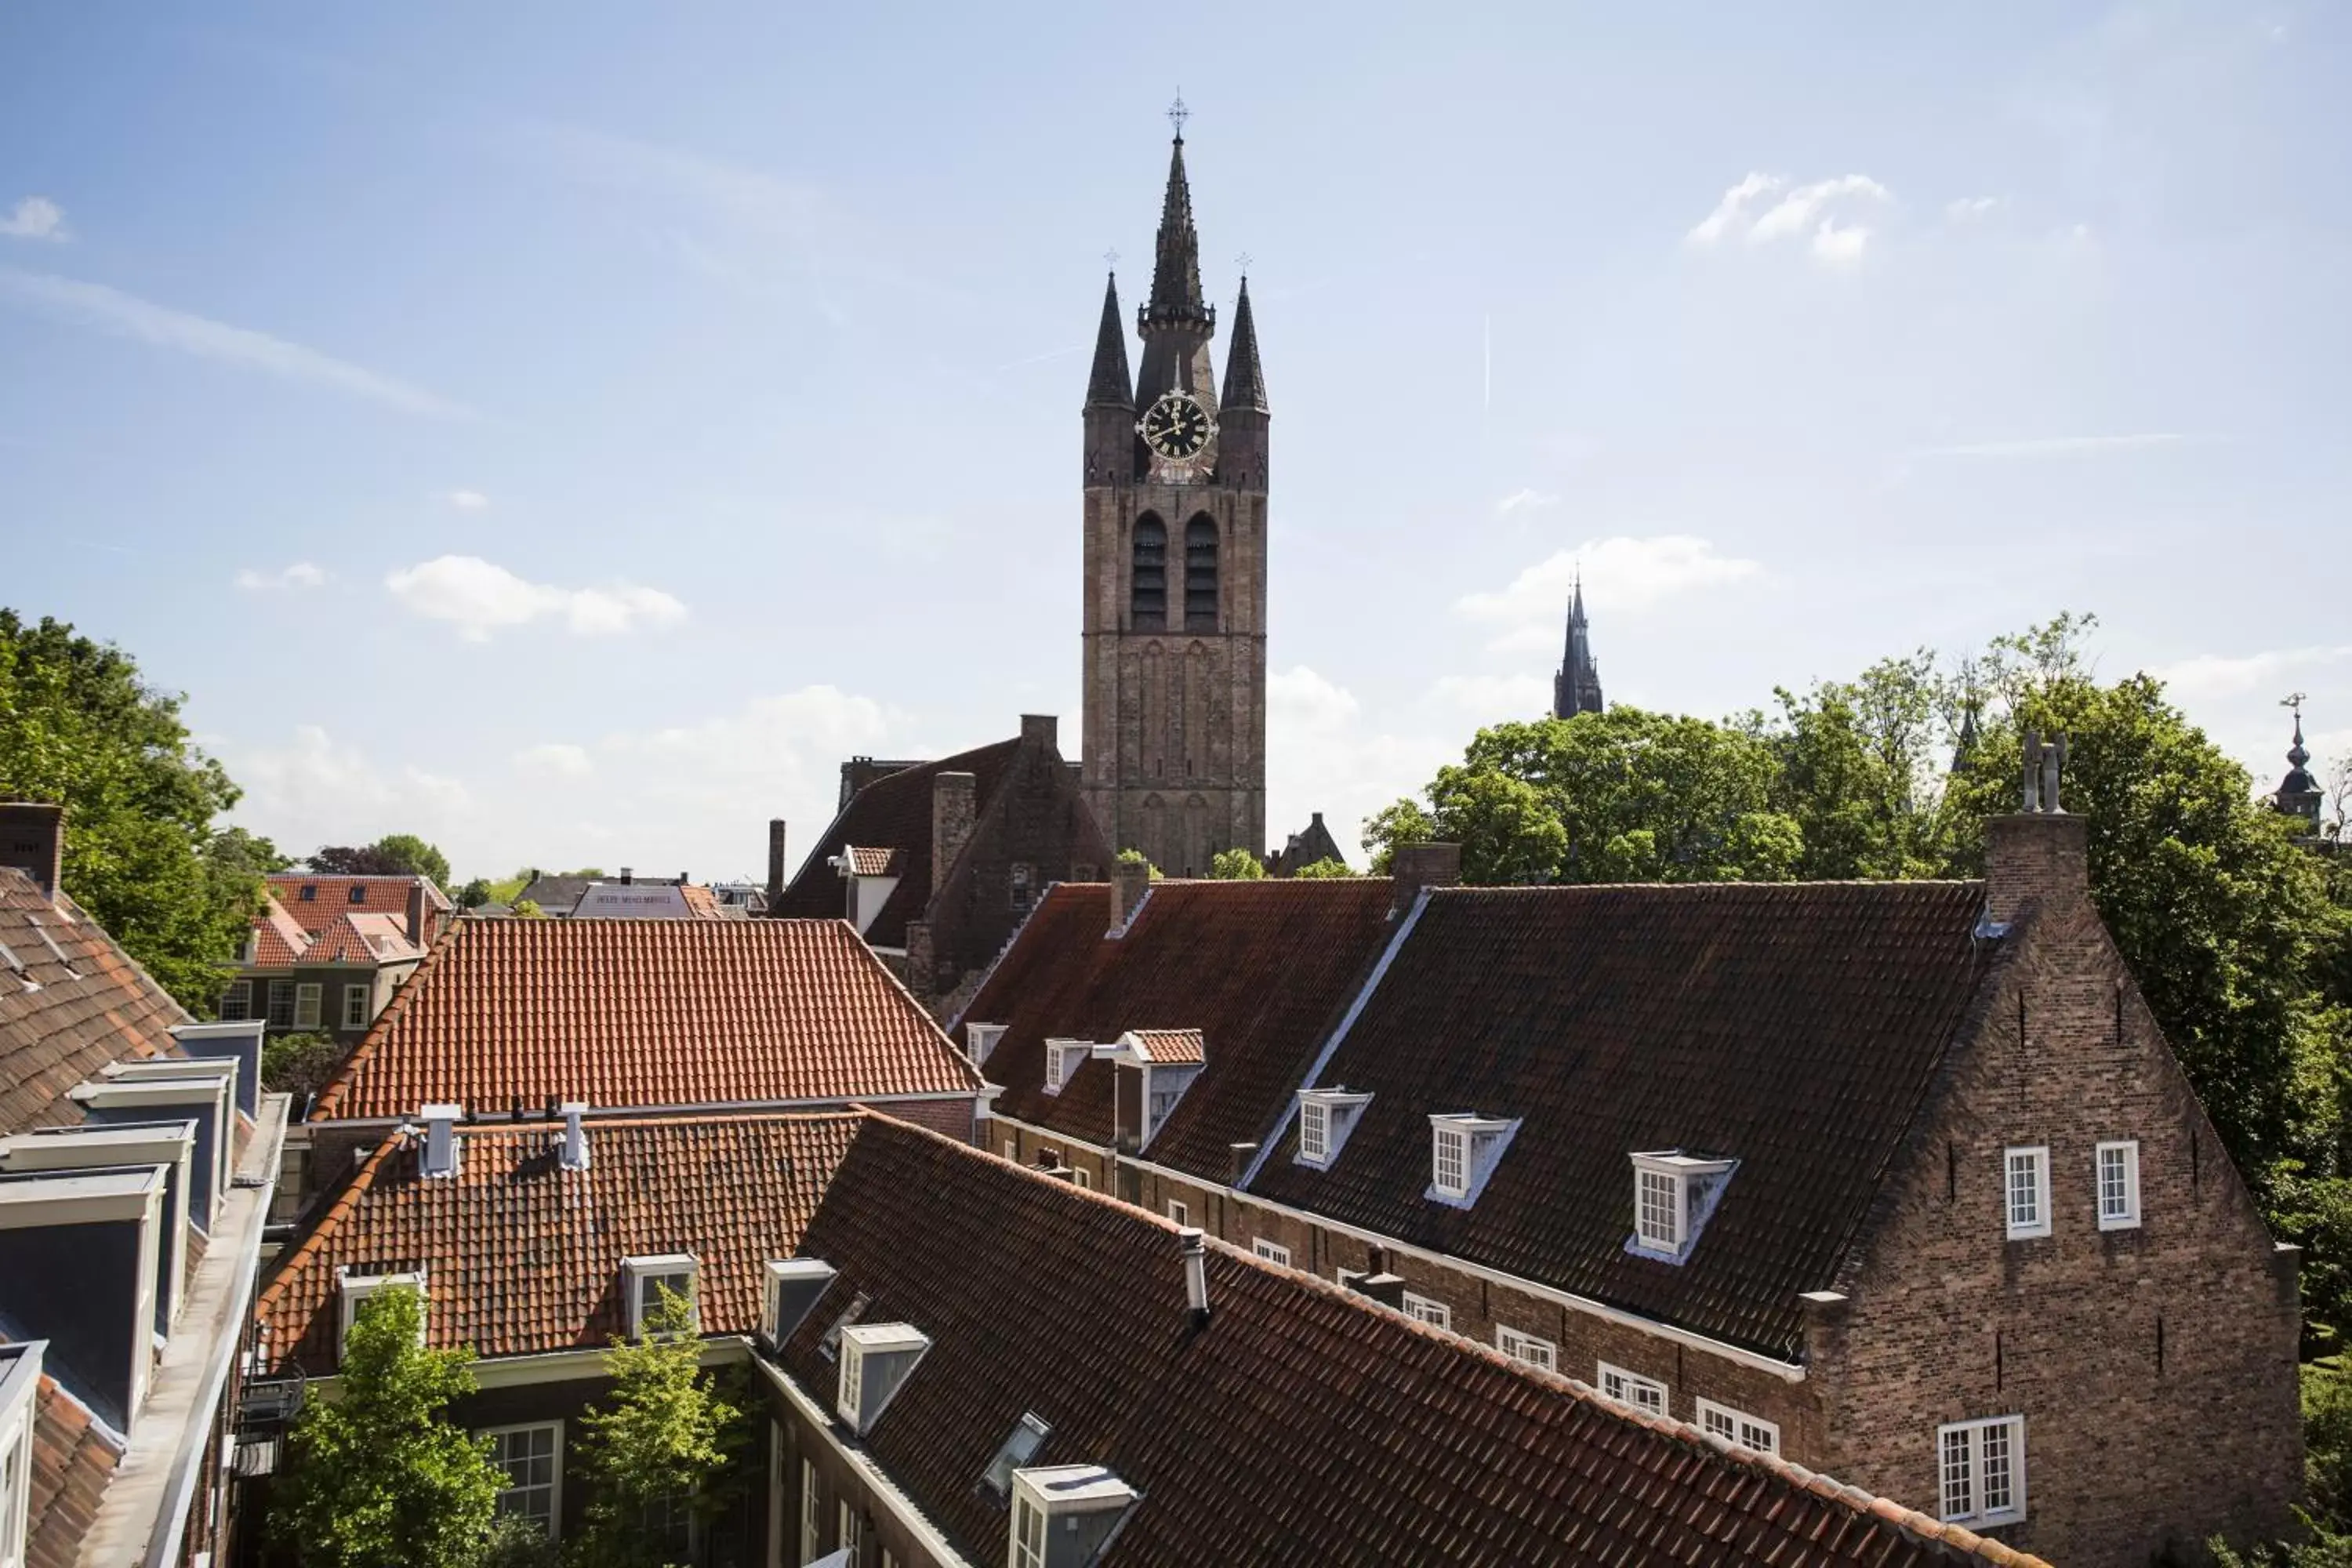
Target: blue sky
x,y
567,431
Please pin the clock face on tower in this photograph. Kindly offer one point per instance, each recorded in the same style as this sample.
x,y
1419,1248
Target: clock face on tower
x,y
1176,426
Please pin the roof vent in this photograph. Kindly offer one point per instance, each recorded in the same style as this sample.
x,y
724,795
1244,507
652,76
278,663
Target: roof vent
x,y
575,1137
1196,1274
440,1156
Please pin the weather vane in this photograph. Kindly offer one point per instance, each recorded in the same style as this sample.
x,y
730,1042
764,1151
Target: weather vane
x,y
1178,114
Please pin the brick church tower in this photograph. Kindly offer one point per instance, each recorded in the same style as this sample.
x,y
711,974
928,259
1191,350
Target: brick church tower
x,y
1174,623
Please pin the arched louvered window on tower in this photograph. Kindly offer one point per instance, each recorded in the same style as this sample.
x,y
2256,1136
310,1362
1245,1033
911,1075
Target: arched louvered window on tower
x,y
1201,575
1148,585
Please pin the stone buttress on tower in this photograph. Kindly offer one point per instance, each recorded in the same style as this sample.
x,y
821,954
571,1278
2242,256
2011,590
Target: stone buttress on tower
x,y
1175,517
1576,688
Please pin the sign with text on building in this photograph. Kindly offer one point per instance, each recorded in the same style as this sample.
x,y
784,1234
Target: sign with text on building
x,y
633,900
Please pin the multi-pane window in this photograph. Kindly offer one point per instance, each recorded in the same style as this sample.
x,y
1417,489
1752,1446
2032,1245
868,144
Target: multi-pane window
x,y
236,1001
1422,1310
1982,1467
1631,1388
852,1538
1450,1160
1738,1427
647,1278
1272,1251
15,1488
2118,1169
355,1007
2026,1191
1526,1348
1658,1208
528,1455
281,1004
1061,1060
853,1379
1028,1533
306,1005
1178,1213
1314,1130
812,1514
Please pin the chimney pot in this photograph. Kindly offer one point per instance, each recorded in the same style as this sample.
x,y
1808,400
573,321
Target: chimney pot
x,y
33,839
1196,1273
775,859
1413,867
440,1157
575,1137
1130,881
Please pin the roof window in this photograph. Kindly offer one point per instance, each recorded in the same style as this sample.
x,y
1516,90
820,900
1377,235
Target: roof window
x,y
358,894
1020,1445
310,892
830,1345
1464,1151
1674,1194
647,1278
1326,1117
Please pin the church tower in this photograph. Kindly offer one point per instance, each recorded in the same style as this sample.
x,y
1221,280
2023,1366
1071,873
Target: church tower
x,y
1174,618
1576,689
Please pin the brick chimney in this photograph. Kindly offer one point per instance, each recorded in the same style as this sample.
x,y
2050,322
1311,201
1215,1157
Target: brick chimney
x,y
32,840
954,803
417,911
775,859
2040,853
1130,881
1041,730
1413,867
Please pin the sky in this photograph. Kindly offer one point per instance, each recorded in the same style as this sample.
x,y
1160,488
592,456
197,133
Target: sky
x,y
568,431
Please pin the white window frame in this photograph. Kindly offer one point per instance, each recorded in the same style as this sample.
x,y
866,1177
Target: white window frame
x,y
1081,1177
1449,1146
308,996
2126,1216
554,1486
1634,1391
20,1381
1314,1129
1427,1309
853,1379
355,1288
1179,1211
1738,1428
1062,1057
849,1533
644,1272
1528,1348
1028,1541
1962,1449
1660,1207
355,1007
2037,1157
811,1514
1272,1251
1339,1108
1012,1150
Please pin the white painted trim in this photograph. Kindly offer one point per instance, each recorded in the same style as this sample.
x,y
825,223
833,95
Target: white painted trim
x,y
2129,1219
1604,1370
1505,1335
2011,1229
1788,1372
2015,1511
492,1122
555,1366
877,1481
555,1489
1737,1419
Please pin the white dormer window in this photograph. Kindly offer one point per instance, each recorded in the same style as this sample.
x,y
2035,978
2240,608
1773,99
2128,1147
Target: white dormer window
x,y
981,1038
876,1359
20,1381
1326,1117
647,1278
357,1288
1081,1504
1464,1151
1061,1060
1674,1193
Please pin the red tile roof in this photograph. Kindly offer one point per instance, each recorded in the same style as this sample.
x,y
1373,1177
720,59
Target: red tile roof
x,y
894,812
522,1257
872,862
378,895
94,1006
1790,1027
1175,1047
622,1013
279,938
1262,970
74,1458
1299,1423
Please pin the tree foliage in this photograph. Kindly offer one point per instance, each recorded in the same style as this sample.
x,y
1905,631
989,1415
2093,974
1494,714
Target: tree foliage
x,y
78,727
298,1064
1322,870
379,1477
394,855
665,1445
1236,866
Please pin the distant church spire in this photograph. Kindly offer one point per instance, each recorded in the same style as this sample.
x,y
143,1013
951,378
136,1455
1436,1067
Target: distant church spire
x,y
2299,794
1175,319
1245,378
1577,688
1109,386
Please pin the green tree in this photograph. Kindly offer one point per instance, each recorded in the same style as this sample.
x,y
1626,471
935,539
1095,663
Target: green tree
x,y
474,894
77,726
1322,870
298,1064
1235,865
1136,858
394,855
529,910
379,1477
664,1448
1860,769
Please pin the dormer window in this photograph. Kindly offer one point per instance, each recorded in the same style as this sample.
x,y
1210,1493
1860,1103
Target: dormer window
x,y
792,1287
1674,1194
1326,1117
1464,1151
647,1278
20,1381
357,1288
876,1359
980,1039
1061,1060
1078,1505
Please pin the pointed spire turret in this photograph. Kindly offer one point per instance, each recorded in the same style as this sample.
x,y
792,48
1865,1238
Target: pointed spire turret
x,y
1245,378
1109,386
1176,262
1577,688
2299,794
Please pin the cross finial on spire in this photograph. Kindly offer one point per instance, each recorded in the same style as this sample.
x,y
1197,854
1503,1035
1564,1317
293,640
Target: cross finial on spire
x,y
1111,257
1178,114
1242,261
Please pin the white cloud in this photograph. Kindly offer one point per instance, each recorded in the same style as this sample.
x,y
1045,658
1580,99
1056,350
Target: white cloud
x,y
125,315
1490,698
1970,209
465,500
1805,209
2056,445
1323,756
556,760
1632,575
1524,499
1298,700
1797,210
35,217
315,791
2209,676
302,575
1732,210
480,597
1837,245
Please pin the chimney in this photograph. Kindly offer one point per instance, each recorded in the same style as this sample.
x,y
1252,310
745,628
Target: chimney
x,y
33,839
627,875
684,879
1041,730
1196,1274
1238,1158
2041,853
416,911
1413,867
954,805
575,1137
440,1156
1130,881
775,859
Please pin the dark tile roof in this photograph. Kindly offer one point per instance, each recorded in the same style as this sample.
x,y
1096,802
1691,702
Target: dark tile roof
x,y
1792,1028
1299,1425
74,1458
624,1013
521,1257
1263,970
554,895
61,1020
891,812
1308,844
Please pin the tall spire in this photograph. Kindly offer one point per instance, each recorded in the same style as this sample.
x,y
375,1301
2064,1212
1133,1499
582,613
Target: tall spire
x,y
1577,688
1176,263
1109,386
2299,794
1245,378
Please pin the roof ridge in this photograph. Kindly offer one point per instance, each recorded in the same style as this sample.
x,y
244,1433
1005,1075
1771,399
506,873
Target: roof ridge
x,y
1690,888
